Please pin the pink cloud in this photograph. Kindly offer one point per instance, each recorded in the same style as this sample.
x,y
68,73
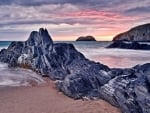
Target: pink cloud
x,y
106,15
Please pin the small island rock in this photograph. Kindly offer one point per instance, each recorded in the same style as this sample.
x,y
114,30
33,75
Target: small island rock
x,y
86,38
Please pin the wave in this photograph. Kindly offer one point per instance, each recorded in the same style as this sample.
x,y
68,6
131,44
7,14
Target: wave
x,y
117,58
18,76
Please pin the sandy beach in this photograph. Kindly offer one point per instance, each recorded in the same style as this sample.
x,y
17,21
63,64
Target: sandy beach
x,y
46,99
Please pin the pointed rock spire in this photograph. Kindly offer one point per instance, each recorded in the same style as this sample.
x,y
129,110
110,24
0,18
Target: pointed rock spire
x,y
37,38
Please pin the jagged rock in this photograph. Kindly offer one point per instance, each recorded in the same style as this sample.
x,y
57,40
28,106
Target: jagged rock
x,y
139,33
40,54
86,81
86,38
130,90
129,45
79,77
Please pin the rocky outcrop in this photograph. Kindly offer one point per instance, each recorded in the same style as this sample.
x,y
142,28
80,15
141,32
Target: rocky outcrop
x,y
86,38
129,45
130,89
139,33
79,77
132,39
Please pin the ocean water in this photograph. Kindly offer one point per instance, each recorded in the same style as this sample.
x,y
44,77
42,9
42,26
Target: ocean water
x,y
114,58
17,76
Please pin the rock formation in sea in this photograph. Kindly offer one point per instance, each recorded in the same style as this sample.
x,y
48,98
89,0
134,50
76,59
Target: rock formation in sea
x,y
78,77
139,33
129,45
86,38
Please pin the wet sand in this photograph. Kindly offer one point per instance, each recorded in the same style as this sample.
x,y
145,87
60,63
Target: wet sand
x,y
46,99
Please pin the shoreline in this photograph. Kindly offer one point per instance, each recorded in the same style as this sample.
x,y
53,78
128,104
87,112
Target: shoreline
x,y
45,98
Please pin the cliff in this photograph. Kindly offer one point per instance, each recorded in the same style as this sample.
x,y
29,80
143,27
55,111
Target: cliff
x,y
139,33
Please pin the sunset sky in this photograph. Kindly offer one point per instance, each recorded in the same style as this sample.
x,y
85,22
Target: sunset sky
x,y
69,19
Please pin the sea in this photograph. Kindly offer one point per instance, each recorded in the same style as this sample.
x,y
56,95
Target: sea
x,y
96,51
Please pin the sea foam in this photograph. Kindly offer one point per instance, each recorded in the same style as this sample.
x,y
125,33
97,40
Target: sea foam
x,y
18,76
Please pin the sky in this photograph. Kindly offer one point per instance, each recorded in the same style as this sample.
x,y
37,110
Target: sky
x,y
69,19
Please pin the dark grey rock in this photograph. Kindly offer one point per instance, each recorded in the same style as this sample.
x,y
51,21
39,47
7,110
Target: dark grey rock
x,y
86,38
138,33
78,77
129,45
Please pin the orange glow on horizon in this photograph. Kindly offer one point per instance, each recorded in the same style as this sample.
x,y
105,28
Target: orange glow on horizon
x,y
99,35
73,38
